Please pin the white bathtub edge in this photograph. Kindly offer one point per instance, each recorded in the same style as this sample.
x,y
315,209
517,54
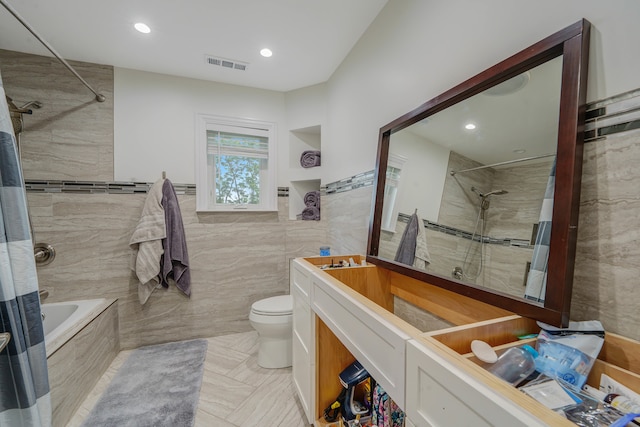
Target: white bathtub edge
x,y
77,321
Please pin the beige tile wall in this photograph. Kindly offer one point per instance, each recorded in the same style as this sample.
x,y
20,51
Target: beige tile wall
x,y
233,261
71,136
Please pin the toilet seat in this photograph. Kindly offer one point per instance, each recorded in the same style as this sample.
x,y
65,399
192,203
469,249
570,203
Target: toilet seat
x,y
274,306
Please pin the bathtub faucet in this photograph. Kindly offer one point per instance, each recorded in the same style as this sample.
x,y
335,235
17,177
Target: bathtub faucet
x,y
43,294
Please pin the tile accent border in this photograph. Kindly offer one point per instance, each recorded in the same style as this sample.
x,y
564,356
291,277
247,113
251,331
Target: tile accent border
x,y
112,187
99,187
364,179
619,113
434,226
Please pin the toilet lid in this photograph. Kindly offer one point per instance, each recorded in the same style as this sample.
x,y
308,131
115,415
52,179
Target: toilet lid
x,y
274,306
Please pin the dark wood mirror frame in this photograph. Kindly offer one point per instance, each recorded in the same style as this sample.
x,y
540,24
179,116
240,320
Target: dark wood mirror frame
x,y
573,44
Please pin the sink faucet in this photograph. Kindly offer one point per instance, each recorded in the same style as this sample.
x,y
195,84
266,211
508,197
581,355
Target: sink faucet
x,y
43,294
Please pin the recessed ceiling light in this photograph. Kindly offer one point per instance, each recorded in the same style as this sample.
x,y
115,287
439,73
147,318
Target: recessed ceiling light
x,y
470,126
266,52
143,28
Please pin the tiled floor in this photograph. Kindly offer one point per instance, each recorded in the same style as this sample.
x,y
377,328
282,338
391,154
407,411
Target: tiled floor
x,y
235,391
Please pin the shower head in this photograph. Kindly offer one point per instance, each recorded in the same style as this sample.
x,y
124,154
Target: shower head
x,y
34,104
496,193
490,193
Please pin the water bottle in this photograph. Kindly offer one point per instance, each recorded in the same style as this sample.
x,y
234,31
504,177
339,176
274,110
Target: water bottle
x,y
515,364
560,361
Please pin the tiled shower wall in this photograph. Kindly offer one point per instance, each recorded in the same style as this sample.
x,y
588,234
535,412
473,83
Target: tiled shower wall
x,y
235,259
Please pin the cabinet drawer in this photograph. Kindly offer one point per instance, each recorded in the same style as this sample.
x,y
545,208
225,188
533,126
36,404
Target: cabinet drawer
x,y
302,377
441,394
303,321
370,337
301,279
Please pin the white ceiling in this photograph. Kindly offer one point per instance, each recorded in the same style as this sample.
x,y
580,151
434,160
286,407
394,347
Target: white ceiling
x,y
309,38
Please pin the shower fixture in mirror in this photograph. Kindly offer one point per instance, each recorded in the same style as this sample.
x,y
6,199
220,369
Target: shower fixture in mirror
x,y
492,169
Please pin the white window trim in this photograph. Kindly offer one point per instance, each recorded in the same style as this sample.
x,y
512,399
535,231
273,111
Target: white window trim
x,y
268,192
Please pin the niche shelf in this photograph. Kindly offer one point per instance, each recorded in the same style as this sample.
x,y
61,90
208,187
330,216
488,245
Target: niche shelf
x,y
302,179
297,190
301,140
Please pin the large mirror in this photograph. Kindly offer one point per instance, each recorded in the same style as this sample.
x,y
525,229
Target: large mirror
x,y
478,189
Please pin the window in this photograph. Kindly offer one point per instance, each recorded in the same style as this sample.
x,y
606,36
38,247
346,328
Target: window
x,y
390,207
235,164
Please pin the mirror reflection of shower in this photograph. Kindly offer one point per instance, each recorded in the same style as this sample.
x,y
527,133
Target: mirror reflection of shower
x,y
478,235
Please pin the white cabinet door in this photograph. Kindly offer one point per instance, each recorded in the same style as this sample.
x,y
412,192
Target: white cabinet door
x,y
303,343
370,337
441,394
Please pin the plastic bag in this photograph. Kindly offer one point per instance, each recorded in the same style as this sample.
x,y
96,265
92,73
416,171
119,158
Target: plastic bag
x,y
568,354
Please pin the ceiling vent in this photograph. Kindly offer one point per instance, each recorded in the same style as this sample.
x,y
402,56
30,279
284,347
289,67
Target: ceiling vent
x,y
225,63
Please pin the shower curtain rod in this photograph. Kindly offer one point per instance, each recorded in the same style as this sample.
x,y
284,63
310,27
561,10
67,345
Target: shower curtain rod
x,y
508,162
99,97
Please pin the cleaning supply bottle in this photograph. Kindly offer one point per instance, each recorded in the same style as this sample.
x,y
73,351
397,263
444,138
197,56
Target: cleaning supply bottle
x,y
621,403
515,364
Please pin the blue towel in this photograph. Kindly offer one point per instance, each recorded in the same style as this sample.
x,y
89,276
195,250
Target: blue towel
x,y
175,261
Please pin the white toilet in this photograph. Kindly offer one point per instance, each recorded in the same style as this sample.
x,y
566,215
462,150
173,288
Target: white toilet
x,y
273,319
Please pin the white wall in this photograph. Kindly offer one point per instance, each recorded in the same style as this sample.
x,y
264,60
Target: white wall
x,y
423,175
154,122
413,51
417,49
306,107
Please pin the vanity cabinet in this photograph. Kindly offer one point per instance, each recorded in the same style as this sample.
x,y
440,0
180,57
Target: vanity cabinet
x,y
303,342
432,375
365,329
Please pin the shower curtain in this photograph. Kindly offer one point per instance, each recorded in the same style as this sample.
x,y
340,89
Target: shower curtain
x,y
24,384
537,278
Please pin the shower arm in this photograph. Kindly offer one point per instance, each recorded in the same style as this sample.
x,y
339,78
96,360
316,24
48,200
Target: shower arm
x,y
508,162
99,97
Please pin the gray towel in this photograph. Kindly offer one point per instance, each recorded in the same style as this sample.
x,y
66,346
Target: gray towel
x,y
407,249
311,213
175,261
312,199
310,158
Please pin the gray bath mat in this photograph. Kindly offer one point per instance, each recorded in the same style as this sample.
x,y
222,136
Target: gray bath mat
x,y
158,385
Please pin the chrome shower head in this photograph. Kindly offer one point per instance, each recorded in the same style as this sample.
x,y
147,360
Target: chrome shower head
x,y
490,193
496,193
34,104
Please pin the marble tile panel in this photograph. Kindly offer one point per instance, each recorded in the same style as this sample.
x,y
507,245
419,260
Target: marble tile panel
x,y
222,396
77,366
249,372
607,254
92,397
40,209
246,342
417,317
204,419
265,406
97,211
348,216
71,136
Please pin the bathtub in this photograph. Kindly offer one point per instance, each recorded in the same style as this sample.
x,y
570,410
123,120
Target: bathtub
x,y
81,339
62,320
